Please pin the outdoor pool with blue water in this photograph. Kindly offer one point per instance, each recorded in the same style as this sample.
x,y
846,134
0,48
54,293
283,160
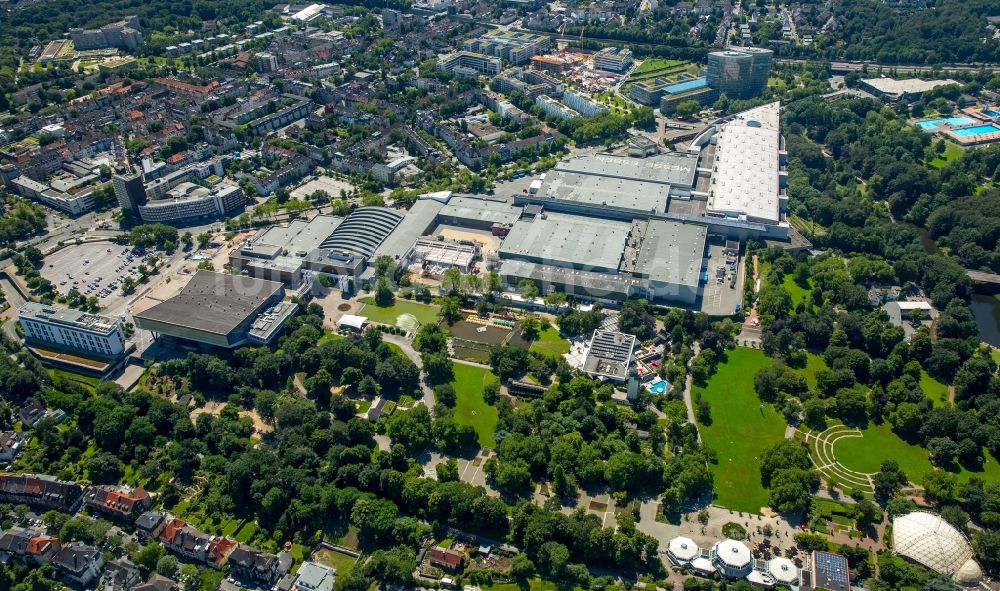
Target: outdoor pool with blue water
x,y
977,130
658,387
952,121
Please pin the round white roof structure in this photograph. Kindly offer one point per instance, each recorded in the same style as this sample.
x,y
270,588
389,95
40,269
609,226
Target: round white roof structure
x,y
734,554
933,542
683,548
783,570
969,575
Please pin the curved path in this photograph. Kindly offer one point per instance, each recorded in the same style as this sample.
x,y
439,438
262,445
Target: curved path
x,y
821,448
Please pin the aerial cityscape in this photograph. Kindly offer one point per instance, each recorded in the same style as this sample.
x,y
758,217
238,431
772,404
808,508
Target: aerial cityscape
x,y
526,295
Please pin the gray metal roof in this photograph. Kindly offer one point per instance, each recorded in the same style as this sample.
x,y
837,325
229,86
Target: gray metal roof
x,y
481,210
672,168
213,302
671,252
416,222
641,197
568,241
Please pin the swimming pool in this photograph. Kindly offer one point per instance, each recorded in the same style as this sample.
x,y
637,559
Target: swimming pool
x,y
658,387
991,112
977,130
952,121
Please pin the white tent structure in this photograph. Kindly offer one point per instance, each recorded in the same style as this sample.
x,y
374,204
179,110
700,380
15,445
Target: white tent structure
x,y
933,542
352,322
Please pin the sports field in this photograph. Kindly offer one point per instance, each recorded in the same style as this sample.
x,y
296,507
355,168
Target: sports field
x,y
470,407
741,428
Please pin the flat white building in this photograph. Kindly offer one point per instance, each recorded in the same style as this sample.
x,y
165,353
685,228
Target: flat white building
x,y
72,329
747,175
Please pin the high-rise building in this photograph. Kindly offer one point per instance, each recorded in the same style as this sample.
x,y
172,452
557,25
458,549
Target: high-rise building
x,y
130,191
267,63
739,73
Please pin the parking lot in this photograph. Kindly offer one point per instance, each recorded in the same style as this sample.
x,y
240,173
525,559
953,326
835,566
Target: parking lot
x,y
332,186
719,299
94,269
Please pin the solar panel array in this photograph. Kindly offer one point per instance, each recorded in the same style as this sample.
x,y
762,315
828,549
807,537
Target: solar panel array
x,y
831,571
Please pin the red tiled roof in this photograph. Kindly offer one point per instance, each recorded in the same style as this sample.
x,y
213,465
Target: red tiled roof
x,y
446,558
40,544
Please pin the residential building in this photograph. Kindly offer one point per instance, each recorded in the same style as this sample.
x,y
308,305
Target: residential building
x,y
555,108
40,491
150,524
267,63
513,46
34,411
582,104
448,560
125,34
120,503
187,541
11,443
157,583
27,546
78,564
314,577
72,330
120,575
252,565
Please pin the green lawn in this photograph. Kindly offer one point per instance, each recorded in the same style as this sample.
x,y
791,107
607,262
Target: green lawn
x,y
229,526
935,391
89,382
951,151
655,64
878,443
741,428
336,560
535,584
424,313
245,533
328,337
550,343
795,290
814,363
470,407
